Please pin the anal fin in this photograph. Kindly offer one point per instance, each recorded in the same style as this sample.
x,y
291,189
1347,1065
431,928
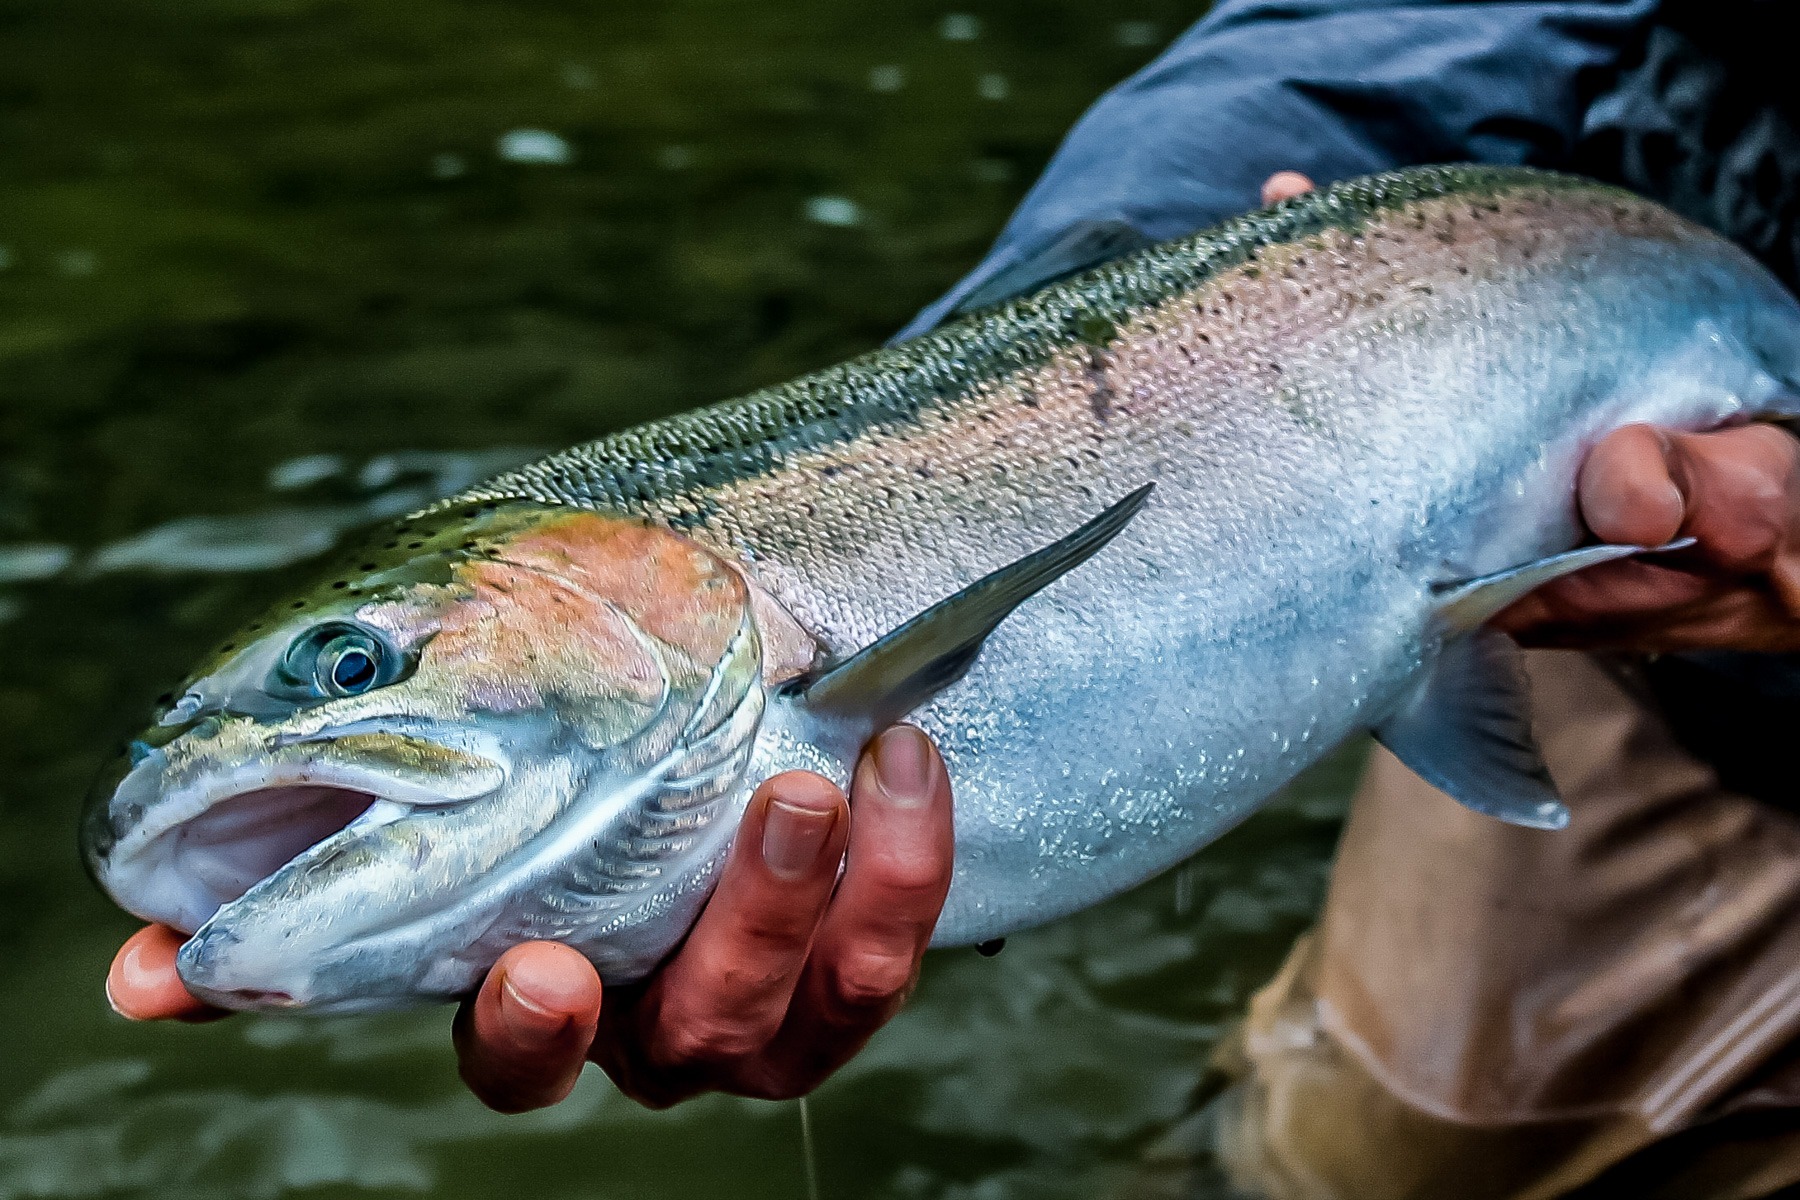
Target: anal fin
x,y
1467,732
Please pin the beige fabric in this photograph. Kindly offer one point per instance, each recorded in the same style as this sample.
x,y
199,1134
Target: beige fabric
x,y
1493,1011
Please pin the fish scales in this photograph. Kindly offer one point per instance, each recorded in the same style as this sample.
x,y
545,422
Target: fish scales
x,y
1315,389
539,708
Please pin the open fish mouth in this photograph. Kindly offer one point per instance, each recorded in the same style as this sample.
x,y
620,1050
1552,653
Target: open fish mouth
x,y
184,871
200,844
237,842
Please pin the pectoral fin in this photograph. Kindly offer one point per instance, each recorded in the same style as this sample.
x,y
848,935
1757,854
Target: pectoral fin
x,y
883,682
1467,732
1469,603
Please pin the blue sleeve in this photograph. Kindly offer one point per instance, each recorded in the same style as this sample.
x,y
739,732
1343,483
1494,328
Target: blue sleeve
x,y
1333,88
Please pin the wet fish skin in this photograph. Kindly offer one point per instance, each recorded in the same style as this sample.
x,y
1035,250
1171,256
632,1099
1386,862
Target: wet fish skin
x,y
1345,402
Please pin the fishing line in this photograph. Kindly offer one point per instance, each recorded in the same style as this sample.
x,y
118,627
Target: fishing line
x,y
807,1152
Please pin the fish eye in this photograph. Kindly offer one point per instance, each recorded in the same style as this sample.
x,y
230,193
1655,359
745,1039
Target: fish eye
x,y
335,660
348,668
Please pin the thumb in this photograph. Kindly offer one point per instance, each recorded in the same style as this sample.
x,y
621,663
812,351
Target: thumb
x,y
142,984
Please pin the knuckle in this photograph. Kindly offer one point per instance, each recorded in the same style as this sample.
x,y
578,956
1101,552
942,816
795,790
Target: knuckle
x,y
1767,491
761,928
699,1042
910,877
870,979
768,930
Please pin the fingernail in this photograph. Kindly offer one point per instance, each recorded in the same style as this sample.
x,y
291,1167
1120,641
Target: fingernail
x,y
903,766
136,979
794,836
1676,501
525,1020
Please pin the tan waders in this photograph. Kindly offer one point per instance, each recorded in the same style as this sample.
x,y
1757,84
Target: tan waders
x,y
1612,1010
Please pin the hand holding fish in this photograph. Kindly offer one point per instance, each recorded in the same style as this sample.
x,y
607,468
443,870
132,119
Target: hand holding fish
x,y
1737,492
782,980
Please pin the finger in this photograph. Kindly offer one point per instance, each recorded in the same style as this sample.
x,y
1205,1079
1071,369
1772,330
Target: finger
x,y
722,997
1624,606
1736,491
143,985
1628,494
1742,490
522,1039
1285,185
1627,490
866,956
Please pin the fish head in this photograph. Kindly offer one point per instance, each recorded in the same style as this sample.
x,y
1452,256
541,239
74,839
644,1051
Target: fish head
x,y
498,722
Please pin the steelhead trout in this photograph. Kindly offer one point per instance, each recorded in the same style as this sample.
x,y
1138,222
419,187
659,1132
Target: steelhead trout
x,y
1135,549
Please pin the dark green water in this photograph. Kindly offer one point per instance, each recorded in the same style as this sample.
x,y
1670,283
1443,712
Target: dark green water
x,y
265,273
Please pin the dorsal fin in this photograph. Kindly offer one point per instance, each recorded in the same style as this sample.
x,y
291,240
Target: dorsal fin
x,y
884,681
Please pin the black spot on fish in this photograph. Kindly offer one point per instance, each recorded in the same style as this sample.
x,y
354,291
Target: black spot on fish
x,y
1100,392
1094,329
990,947
298,604
342,583
367,567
